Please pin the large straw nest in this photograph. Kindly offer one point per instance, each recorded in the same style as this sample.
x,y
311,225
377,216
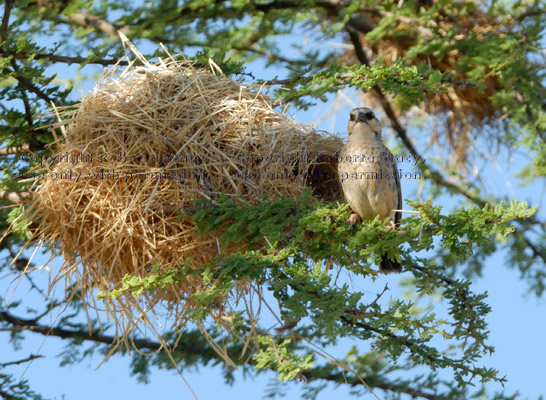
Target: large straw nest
x,y
161,136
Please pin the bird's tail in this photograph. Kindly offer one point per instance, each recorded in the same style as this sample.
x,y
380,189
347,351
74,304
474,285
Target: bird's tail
x,y
388,266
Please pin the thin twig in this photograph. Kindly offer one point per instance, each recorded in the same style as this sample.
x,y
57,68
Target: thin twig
x,y
383,385
88,20
24,360
33,326
28,85
62,59
8,5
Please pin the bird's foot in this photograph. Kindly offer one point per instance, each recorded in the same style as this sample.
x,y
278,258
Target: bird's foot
x,y
391,225
353,219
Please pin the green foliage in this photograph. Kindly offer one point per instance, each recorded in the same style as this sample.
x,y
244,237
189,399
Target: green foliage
x,y
291,243
292,266
300,251
277,356
465,230
19,226
137,285
16,389
408,82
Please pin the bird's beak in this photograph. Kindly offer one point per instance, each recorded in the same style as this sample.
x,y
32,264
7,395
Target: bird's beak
x,y
361,117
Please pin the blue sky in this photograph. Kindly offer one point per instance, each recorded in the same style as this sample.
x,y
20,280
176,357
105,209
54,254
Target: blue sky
x,y
517,323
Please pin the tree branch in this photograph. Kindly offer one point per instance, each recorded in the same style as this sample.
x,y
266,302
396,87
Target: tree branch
x,y
15,197
383,385
23,149
343,79
24,360
28,109
6,395
28,85
32,325
333,8
359,50
62,59
350,314
8,5
88,20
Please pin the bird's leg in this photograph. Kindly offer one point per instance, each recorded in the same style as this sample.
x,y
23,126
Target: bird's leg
x,y
390,225
353,219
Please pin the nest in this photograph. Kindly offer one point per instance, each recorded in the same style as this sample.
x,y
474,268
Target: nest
x,y
462,107
134,155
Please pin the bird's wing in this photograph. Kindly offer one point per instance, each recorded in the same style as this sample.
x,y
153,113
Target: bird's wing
x,y
398,214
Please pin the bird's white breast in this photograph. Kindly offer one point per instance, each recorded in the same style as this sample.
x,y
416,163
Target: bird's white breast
x,y
367,179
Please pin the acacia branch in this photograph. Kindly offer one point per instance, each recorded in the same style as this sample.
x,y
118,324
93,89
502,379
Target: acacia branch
x,y
32,325
383,385
343,79
62,59
6,395
359,50
28,109
8,5
332,8
409,344
15,197
23,149
28,85
87,20
24,360
287,81
349,316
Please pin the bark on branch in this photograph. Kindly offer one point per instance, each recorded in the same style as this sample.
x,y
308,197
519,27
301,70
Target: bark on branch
x,y
15,197
62,59
88,20
23,149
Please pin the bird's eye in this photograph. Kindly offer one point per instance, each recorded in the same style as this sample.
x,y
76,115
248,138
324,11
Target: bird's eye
x,y
369,115
352,117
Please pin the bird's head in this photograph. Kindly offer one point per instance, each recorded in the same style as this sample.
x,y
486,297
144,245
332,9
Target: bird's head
x,y
363,125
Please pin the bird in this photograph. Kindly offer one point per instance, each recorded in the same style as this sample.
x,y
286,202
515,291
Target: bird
x,y
369,177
